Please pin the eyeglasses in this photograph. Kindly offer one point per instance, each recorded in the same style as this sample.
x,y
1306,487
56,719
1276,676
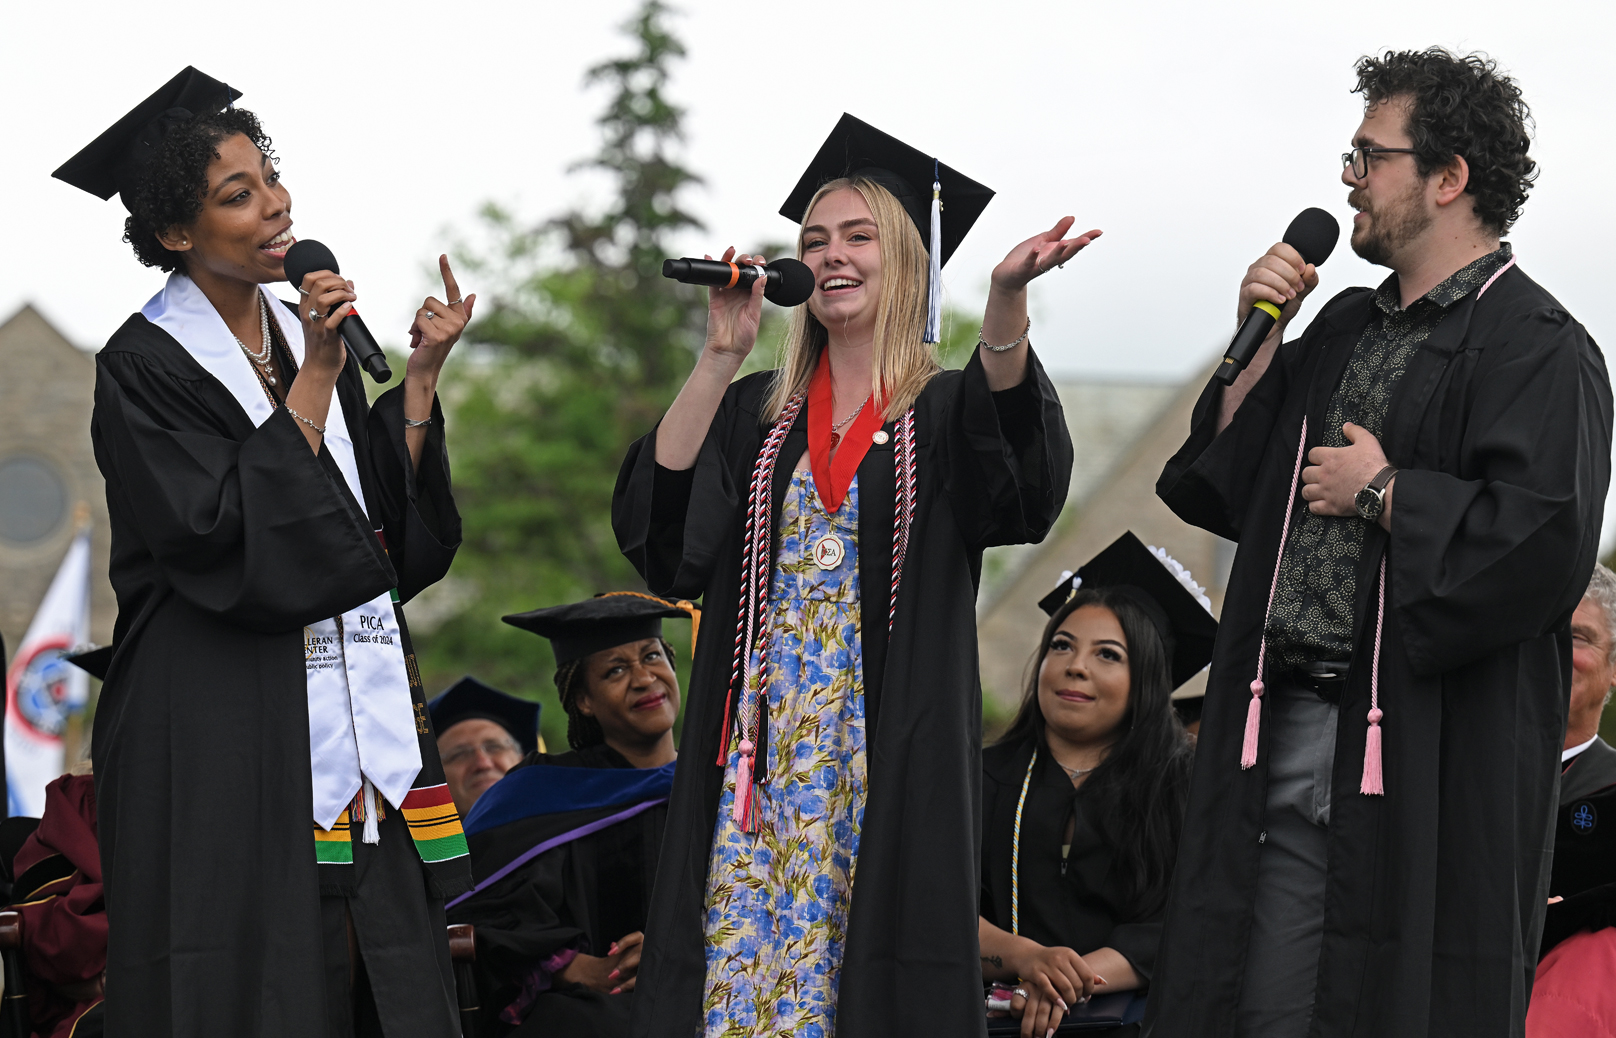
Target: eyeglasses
x,y
1358,158
492,749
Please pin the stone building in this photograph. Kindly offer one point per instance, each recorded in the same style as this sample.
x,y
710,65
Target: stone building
x,y
1123,433
47,470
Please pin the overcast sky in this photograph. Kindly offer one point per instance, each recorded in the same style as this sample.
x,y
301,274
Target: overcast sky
x,y
1190,132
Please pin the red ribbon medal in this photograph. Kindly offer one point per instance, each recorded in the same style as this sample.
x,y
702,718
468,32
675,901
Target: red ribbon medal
x,y
833,476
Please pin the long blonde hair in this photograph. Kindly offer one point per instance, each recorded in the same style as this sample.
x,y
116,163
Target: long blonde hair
x,y
903,362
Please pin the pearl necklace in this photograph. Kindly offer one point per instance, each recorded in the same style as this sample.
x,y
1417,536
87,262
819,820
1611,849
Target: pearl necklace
x,y
261,358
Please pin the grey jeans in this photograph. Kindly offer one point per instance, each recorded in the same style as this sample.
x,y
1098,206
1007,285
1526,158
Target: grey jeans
x,y
1287,930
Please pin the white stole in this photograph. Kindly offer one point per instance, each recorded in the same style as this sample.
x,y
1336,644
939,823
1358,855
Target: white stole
x,y
361,720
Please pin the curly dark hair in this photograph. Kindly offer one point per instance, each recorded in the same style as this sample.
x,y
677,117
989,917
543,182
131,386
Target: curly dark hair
x,y
1461,106
170,189
583,730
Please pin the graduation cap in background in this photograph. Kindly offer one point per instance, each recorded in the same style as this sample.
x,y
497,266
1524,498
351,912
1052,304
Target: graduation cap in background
x,y
616,618
1161,587
943,202
113,162
469,699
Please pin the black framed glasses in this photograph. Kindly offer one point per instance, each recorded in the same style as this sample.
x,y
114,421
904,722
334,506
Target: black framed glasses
x,y
1358,158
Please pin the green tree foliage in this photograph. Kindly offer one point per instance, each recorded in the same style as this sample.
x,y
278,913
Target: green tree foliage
x,y
582,348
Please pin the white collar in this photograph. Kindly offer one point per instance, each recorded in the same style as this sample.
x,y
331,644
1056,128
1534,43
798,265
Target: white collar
x,y
1566,755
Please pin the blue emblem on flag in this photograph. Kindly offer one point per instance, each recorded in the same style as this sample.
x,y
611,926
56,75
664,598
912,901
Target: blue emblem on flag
x,y
1584,818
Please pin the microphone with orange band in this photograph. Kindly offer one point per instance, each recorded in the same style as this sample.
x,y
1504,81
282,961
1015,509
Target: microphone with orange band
x,y
790,282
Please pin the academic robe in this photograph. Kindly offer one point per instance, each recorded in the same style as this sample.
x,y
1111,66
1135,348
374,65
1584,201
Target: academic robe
x,y
1584,874
992,469
1073,901
226,541
581,895
64,917
1501,429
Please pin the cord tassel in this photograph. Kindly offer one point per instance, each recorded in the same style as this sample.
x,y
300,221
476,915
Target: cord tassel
x,y
934,294
1248,746
1374,782
742,811
372,833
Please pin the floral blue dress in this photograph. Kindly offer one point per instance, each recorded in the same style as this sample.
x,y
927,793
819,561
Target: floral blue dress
x,y
777,900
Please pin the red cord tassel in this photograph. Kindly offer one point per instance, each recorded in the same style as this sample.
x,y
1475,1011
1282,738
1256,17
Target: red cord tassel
x,y
1248,748
1373,782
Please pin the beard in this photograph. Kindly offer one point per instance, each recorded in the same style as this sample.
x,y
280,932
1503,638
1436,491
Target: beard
x,y
1392,223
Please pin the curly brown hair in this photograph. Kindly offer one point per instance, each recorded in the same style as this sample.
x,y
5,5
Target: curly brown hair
x,y
170,189
1460,106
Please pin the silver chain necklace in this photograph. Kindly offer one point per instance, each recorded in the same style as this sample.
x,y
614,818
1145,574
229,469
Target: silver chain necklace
x,y
261,358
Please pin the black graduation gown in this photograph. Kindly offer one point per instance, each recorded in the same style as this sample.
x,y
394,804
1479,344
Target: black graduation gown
x,y
1074,903
226,540
584,894
1434,900
992,469
1584,847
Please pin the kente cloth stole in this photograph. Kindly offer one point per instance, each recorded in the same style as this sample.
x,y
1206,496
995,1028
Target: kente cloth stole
x,y
748,686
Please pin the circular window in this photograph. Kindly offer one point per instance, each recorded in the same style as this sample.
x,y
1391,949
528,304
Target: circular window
x,y
33,500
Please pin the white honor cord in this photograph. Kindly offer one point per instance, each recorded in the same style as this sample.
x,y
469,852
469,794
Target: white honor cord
x,y
372,833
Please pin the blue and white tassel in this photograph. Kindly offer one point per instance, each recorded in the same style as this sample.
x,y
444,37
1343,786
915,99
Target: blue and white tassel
x,y
934,300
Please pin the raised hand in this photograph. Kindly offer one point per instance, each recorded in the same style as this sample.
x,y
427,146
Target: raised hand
x,y
733,314
1280,276
324,299
1039,255
437,327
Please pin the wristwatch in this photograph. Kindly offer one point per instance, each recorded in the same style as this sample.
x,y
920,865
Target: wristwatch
x,y
1371,500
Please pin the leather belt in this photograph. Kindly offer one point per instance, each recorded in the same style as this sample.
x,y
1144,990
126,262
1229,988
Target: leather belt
x,y
1324,678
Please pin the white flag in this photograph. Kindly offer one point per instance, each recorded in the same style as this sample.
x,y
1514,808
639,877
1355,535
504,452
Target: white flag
x,y
42,688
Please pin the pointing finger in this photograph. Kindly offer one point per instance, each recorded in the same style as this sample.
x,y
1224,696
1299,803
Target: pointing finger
x,y
449,284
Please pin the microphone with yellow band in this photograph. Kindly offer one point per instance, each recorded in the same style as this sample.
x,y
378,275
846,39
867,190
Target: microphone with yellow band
x,y
1313,234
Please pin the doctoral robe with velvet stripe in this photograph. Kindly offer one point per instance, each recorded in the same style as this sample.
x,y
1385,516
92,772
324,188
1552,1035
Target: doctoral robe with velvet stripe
x,y
993,469
1501,430
226,540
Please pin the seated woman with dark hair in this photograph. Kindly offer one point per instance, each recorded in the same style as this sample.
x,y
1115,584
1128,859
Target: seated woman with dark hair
x,y
564,847
1084,796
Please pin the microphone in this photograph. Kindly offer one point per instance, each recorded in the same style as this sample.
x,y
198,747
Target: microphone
x,y
1313,234
306,256
790,282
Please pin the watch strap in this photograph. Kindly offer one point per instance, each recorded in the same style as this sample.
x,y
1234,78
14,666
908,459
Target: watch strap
x,y
1383,477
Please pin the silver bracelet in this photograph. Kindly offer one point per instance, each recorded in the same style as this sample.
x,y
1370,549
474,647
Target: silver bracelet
x,y
410,423
1007,346
305,421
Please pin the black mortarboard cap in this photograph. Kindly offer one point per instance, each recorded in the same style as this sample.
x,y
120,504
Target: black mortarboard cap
x,y
856,147
93,662
1186,626
469,698
112,163
603,622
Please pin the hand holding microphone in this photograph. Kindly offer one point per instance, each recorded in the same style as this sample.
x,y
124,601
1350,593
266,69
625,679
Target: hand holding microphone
x,y
1276,284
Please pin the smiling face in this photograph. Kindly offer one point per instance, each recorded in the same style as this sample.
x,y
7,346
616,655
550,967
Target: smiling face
x,y
244,228
1592,671
842,246
476,753
1393,200
1085,677
631,690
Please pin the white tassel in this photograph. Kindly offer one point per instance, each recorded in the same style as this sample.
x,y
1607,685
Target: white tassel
x,y
934,300
372,833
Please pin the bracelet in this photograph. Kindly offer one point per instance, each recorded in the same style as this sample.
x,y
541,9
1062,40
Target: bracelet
x,y
410,423
1007,346
305,421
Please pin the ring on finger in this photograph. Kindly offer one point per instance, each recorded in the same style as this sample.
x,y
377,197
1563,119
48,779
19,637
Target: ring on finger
x,y
453,302
314,315
1020,991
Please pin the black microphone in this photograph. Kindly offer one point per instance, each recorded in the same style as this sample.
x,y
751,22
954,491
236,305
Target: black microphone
x,y
790,282
306,256
1313,234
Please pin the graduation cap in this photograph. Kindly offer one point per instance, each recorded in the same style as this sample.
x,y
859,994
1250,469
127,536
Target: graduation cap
x,y
93,662
943,202
1161,586
616,618
469,698
113,162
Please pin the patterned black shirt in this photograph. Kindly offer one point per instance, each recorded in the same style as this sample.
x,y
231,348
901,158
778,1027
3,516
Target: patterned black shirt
x,y
1311,618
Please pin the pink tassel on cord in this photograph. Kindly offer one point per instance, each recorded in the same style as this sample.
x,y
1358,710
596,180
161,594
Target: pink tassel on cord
x,y
743,786
1373,783
1248,748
